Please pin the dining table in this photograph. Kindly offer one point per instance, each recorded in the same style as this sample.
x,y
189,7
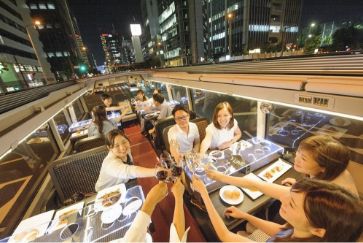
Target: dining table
x,y
84,221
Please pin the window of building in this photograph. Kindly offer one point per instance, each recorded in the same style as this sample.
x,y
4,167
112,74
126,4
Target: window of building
x,y
33,6
58,54
51,6
42,6
49,26
50,54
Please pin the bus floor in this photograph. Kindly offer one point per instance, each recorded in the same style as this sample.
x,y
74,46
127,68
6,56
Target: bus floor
x,y
144,155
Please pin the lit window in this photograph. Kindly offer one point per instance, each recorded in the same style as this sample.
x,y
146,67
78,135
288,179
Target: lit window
x,y
40,26
58,54
49,26
42,6
66,53
33,6
50,54
51,6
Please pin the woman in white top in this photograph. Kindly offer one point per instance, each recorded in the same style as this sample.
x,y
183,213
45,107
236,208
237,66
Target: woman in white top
x,y
117,166
100,125
223,131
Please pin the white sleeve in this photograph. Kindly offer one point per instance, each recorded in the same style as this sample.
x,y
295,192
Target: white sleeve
x,y
171,135
196,131
121,170
235,125
174,234
138,229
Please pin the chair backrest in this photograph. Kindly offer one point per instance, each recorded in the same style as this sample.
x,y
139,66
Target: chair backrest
x,y
89,143
77,173
202,124
159,127
165,138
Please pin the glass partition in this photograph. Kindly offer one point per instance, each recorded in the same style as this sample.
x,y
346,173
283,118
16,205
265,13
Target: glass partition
x,y
288,126
78,109
179,94
150,86
21,172
62,126
244,110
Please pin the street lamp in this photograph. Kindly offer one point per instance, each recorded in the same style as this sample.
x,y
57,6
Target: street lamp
x,y
312,24
310,35
36,23
84,48
230,19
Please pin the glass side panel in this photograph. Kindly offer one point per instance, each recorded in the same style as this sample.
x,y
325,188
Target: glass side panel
x,y
62,126
244,110
78,109
20,171
287,126
179,94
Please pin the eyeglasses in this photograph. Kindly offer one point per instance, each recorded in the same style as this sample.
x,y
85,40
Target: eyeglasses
x,y
181,118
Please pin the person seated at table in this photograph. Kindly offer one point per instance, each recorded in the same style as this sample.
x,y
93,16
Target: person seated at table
x,y
100,125
142,102
320,157
118,166
314,210
138,229
223,131
183,137
110,106
162,106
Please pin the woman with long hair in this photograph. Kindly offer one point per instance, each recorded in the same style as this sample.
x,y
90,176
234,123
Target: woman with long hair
x,y
320,157
100,125
223,131
118,166
314,210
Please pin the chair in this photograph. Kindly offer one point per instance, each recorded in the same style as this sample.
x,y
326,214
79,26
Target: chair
x,y
88,143
202,124
165,138
159,127
77,173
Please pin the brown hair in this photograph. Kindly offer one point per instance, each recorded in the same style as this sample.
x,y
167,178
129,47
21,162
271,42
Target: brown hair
x,y
110,138
328,153
143,94
221,106
332,208
99,115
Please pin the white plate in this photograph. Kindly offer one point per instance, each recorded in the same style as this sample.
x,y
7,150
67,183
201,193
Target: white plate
x,y
132,207
98,202
252,194
234,189
274,171
29,228
340,122
70,211
110,215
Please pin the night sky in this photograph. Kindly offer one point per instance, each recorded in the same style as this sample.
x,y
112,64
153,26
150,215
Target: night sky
x,y
97,16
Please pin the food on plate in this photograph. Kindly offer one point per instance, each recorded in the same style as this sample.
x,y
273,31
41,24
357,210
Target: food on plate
x,y
231,194
27,236
268,175
278,168
110,198
63,218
